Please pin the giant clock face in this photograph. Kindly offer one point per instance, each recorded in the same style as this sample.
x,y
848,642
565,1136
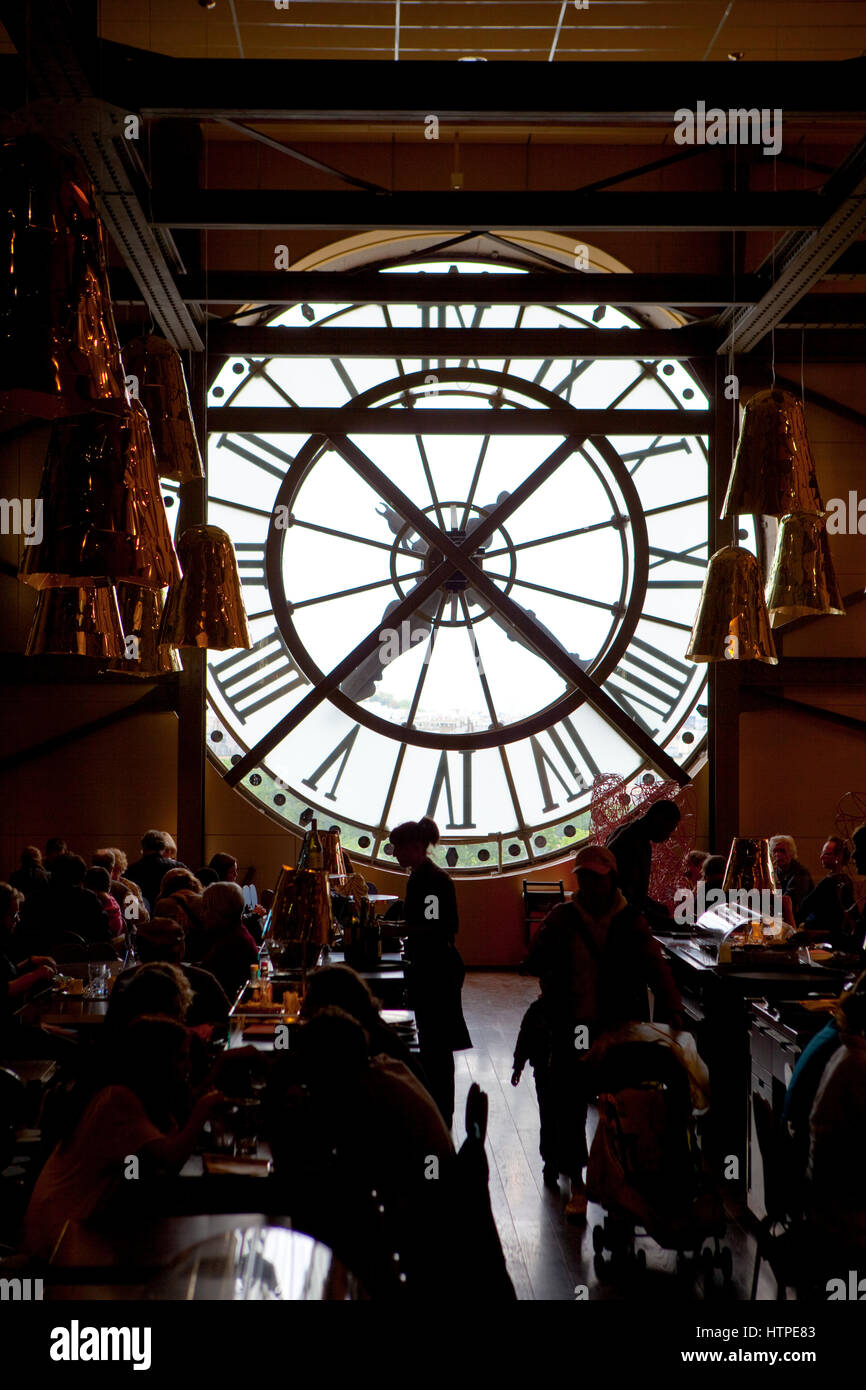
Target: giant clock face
x,y
469,626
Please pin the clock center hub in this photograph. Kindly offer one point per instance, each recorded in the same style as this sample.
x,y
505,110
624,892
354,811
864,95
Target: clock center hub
x,y
456,582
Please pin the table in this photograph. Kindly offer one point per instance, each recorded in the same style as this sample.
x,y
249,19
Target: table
x,y
63,1010
231,1257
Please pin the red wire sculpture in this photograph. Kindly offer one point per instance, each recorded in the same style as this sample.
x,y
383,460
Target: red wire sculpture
x,y
615,803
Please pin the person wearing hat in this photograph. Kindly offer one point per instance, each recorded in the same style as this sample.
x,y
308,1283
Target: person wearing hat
x,y
594,957
162,939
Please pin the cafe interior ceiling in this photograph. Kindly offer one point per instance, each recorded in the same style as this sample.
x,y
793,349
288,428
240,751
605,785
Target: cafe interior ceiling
x,y
495,30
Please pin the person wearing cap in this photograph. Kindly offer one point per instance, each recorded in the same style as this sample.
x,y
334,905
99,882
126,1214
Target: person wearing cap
x,y
594,957
162,939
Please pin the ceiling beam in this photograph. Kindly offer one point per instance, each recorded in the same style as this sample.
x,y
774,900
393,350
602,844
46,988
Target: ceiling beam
x,y
573,344
372,287
799,261
522,92
418,420
279,210
227,340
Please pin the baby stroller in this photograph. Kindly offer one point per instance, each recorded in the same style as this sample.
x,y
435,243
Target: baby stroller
x,y
644,1165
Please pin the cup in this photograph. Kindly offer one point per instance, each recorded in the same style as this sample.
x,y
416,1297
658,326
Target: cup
x,y
246,1127
97,980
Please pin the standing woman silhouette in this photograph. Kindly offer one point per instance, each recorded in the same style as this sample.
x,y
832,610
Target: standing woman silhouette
x,y
435,971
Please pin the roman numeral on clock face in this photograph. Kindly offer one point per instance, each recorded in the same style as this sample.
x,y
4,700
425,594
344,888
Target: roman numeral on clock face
x,y
442,782
251,680
648,683
251,564
553,757
341,752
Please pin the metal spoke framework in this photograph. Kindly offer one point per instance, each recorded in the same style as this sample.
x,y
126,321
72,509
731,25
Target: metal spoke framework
x,y
402,413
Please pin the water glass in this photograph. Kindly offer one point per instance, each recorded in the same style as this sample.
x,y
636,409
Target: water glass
x,y
97,980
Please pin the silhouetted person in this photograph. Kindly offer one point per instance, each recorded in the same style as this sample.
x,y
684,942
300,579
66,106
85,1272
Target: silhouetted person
x,y
55,847
632,848
827,909
98,881
435,971
225,866
123,889
837,1157
155,862
338,986
32,873
141,1104
162,939
63,905
229,950
713,872
362,1126
594,957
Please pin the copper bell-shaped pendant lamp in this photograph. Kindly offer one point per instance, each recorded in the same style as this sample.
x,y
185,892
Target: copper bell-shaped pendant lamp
x,y
803,580
104,514
732,622
206,609
774,471
76,622
59,351
160,385
141,614
749,867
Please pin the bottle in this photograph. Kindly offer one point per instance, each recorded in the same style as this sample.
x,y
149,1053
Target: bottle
x,y
315,853
255,985
265,974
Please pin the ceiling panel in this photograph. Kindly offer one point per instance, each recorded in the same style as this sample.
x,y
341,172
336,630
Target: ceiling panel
x,y
535,30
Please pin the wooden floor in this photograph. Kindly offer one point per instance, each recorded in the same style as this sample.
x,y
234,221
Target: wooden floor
x,y
548,1258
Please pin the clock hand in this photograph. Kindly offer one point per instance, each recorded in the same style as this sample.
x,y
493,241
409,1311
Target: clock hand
x,y
512,636
361,685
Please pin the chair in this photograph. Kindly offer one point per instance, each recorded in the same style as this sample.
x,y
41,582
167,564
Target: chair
x,y
538,899
780,1248
481,1259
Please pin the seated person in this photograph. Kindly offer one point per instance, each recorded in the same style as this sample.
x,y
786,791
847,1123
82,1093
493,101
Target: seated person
x,y
826,911
713,872
180,897
806,1078
225,866
98,881
123,889
140,1106
793,878
631,845
162,939
32,873
361,1126
693,868
157,848
156,989
55,847
229,950
837,1156
64,905
17,978
338,986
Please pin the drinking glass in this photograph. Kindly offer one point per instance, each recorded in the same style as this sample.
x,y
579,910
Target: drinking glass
x,y
246,1127
97,980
